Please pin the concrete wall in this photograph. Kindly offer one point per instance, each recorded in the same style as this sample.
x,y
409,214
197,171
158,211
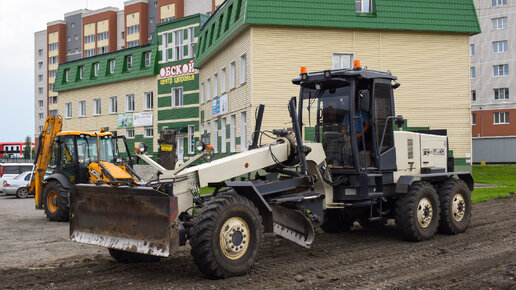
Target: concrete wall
x,y
73,36
494,150
198,6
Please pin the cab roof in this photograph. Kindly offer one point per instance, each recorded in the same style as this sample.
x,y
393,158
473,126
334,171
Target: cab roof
x,y
341,75
91,134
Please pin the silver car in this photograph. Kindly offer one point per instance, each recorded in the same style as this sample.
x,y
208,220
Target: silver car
x,y
17,185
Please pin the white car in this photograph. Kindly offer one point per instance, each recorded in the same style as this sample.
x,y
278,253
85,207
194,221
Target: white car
x,y
11,170
17,185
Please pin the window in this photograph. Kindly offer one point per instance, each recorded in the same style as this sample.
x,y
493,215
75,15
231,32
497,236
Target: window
x,y
499,2
53,113
40,103
148,132
96,107
40,128
67,75
223,80
472,72
40,65
129,103
40,116
133,43
473,95
51,87
52,46
102,36
89,38
96,68
232,75
52,73
178,45
177,97
40,52
102,50
201,93
208,89
223,135
148,55
76,37
501,117
40,91
342,60
72,24
473,119
129,61
471,50
501,94
499,23
191,41
243,131
122,34
500,70
364,6
68,110
500,46
133,29
207,137
113,106
191,140
242,69
232,134
147,101
89,52
81,72
112,64
129,133
69,38
52,60
167,19
215,136
40,78
52,100
215,85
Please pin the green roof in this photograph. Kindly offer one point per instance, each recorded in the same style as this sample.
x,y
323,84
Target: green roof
x,y
457,16
121,73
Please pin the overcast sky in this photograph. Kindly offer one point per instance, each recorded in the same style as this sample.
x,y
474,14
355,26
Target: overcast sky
x,y
18,22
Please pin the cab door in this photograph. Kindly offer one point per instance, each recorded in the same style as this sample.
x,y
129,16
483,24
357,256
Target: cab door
x,y
383,127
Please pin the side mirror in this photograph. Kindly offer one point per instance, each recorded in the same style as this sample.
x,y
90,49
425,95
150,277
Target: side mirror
x,y
200,145
399,121
365,100
141,149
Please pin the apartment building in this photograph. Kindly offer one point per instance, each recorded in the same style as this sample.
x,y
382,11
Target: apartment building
x,y
86,33
250,50
493,82
40,80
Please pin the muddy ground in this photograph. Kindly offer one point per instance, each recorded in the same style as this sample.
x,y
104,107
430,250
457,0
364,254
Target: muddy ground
x,y
35,253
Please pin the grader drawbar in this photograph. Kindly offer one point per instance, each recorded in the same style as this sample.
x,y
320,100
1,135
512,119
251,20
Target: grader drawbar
x,y
356,168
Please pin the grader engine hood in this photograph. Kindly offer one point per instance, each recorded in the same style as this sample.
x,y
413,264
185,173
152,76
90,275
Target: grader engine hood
x,y
135,219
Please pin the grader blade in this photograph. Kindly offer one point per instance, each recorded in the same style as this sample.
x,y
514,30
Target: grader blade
x,y
293,226
134,219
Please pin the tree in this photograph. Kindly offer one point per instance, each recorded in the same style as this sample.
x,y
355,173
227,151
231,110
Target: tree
x,y
27,149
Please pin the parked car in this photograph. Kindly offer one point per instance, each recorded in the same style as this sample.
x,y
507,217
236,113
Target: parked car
x,y
11,170
18,185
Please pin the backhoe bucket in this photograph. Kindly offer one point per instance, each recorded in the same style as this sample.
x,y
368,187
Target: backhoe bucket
x,y
134,219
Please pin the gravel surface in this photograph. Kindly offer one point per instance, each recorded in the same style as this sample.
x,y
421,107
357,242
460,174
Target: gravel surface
x,y
35,253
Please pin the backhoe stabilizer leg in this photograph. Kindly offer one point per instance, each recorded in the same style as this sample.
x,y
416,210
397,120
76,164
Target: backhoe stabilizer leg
x,y
293,226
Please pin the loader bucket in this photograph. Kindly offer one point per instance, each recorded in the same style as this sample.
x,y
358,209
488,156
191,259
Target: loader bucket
x,y
134,219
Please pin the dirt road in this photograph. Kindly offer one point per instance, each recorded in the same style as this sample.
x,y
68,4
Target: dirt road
x,y
37,254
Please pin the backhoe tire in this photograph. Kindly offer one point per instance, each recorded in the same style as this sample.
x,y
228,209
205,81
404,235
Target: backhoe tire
x,y
57,206
226,237
417,212
336,221
455,199
22,192
130,257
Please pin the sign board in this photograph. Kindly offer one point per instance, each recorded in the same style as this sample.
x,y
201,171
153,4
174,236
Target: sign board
x,y
166,147
219,106
142,119
124,120
177,70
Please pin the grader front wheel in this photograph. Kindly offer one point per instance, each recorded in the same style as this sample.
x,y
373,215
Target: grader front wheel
x,y
226,237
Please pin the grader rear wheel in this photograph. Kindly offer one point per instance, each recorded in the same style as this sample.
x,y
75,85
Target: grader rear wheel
x,y
417,212
226,237
455,198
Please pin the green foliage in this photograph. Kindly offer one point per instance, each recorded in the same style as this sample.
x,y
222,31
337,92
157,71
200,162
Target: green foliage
x,y
502,175
27,149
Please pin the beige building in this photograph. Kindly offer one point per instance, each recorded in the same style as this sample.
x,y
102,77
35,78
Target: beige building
x,y
247,58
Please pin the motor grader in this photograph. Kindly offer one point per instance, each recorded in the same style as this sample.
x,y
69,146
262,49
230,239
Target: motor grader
x,y
76,157
358,167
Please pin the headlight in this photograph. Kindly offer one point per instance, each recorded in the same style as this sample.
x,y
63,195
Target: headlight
x,y
200,145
